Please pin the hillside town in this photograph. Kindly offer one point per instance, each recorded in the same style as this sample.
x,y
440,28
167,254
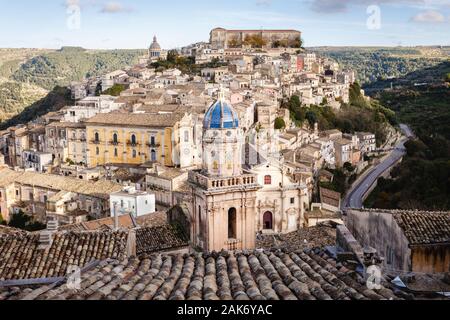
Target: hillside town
x,y
162,183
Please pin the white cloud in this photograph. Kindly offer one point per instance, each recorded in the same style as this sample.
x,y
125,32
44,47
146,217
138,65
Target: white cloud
x,y
429,16
334,6
114,7
263,3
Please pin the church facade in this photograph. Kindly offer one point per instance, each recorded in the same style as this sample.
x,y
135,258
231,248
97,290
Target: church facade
x,y
230,204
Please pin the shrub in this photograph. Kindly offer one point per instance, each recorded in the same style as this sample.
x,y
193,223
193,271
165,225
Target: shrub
x,y
280,123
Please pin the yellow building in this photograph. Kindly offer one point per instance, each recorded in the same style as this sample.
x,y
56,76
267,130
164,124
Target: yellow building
x,y
135,139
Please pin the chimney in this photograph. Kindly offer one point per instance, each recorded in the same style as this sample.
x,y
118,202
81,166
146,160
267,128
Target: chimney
x,y
46,236
371,257
116,218
131,243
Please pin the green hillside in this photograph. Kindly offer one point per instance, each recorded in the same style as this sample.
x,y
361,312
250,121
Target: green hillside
x,y
374,64
422,180
27,75
73,64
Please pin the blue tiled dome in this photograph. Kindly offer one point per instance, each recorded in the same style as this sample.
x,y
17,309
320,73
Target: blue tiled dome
x,y
221,116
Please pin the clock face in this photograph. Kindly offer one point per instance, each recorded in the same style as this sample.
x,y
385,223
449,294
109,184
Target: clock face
x,y
187,152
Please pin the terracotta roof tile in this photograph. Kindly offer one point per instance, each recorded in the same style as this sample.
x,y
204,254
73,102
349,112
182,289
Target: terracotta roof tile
x,y
160,238
244,275
425,227
21,257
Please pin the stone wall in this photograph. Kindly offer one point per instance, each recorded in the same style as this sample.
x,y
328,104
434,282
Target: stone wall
x,y
380,231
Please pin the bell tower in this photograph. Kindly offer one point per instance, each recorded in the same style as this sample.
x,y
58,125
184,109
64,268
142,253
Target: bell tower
x,y
224,196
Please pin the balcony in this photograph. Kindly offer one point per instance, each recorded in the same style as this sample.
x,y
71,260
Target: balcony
x,y
95,141
153,145
114,143
233,244
221,183
132,144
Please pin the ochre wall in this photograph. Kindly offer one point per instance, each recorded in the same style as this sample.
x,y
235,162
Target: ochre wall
x,y
431,259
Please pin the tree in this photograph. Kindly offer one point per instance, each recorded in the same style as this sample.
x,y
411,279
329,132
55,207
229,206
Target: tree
x,y
447,78
280,123
24,222
172,56
311,116
115,90
234,42
255,41
348,166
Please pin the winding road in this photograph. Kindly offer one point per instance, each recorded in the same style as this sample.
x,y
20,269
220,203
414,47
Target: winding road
x,y
355,197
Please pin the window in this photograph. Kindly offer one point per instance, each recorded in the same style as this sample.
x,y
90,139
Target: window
x,y
153,155
153,141
31,196
17,193
186,136
97,151
292,200
115,138
232,224
268,180
133,139
134,154
97,137
116,153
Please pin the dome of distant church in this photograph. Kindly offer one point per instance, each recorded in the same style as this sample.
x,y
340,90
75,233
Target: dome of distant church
x,y
155,45
221,115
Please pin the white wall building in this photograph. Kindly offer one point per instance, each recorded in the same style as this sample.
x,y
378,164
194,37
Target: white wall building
x,y
280,203
37,161
131,201
90,107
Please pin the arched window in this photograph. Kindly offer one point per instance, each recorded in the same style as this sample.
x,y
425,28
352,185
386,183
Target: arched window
x,y
200,225
268,221
97,137
232,227
133,139
268,180
115,138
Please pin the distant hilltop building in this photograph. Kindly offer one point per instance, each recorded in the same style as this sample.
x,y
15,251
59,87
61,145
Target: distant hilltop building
x,y
155,52
223,39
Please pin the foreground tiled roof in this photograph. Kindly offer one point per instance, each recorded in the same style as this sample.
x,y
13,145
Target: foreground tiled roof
x,y
4,230
226,276
305,238
160,238
21,257
425,227
100,189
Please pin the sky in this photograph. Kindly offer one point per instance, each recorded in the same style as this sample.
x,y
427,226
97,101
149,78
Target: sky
x,y
104,24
